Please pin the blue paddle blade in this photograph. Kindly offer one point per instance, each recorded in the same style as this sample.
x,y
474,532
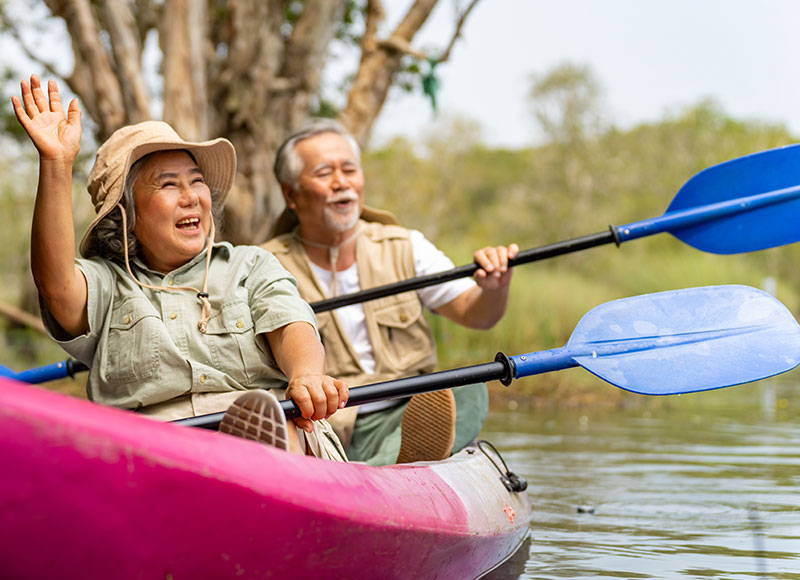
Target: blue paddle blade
x,y
770,225
689,340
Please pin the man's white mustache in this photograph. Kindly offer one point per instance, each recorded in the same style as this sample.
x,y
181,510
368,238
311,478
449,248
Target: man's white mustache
x,y
348,195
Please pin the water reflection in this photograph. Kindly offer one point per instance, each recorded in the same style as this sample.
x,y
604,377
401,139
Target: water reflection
x,y
699,486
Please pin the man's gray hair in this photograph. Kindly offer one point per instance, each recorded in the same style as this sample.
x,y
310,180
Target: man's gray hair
x,y
107,235
288,164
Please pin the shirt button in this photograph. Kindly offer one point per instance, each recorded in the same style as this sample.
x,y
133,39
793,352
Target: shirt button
x,y
403,317
172,316
170,282
127,320
202,378
239,324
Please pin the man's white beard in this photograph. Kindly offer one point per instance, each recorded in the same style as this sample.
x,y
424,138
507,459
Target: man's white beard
x,y
340,222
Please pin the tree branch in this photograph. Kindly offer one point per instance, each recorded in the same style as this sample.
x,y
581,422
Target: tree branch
x,y
376,70
462,18
21,317
395,44
96,83
375,15
124,34
416,16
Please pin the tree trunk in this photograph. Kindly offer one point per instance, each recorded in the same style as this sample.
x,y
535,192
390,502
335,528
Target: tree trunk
x,y
183,43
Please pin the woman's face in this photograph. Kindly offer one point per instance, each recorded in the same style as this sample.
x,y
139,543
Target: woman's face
x,y
173,209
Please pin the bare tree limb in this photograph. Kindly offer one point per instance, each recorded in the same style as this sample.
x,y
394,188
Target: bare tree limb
x,y
416,16
127,48
376,71
394,43
462,18
21,317
96,83
380,60
256,50
402,45
375,15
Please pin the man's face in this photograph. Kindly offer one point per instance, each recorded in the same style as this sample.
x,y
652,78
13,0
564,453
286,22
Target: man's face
x,y
329,193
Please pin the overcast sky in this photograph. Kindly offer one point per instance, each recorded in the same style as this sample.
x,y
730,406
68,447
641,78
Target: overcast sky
x,y
651,57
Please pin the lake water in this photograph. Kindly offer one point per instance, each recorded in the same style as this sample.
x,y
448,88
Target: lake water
x,y
703,485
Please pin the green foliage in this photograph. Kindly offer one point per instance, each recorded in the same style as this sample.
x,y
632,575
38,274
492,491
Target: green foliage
x,y
465,196
565,102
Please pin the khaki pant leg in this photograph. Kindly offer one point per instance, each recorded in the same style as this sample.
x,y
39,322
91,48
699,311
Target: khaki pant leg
x,y
323,442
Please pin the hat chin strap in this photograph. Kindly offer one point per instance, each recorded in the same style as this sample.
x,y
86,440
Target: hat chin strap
x,y
202,295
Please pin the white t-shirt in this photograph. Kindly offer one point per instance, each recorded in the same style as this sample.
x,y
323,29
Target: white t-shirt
x,y
428,259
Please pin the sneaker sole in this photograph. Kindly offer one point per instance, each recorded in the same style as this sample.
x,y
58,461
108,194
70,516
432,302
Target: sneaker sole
x,y
256,416
428,427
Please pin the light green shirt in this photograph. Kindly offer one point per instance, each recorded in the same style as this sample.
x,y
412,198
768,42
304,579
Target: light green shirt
x,y
144,347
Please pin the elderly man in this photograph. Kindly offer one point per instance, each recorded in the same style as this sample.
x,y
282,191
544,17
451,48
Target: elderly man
x,y
335,245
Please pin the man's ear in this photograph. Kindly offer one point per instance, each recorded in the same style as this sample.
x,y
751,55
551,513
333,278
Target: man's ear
x,y
288,195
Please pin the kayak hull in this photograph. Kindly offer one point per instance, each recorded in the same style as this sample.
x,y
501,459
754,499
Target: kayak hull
x,y
93,492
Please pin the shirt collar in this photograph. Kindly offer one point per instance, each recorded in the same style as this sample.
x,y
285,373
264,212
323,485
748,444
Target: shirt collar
x,y
219,249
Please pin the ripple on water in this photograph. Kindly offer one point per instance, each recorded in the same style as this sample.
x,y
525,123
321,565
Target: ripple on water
x,y
672,495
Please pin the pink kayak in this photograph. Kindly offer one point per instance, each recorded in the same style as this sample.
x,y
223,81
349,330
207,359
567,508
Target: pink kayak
x,y
94,492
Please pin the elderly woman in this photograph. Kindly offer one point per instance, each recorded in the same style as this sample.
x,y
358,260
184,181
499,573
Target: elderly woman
x,y
170,323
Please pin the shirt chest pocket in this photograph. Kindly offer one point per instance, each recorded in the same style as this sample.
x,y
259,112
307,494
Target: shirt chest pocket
x,y
232,343
133,345
403,331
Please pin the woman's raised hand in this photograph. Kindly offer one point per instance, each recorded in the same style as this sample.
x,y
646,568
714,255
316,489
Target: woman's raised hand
x,y
54,135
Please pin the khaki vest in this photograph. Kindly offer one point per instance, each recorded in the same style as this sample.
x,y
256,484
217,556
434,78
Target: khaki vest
x,y
401,337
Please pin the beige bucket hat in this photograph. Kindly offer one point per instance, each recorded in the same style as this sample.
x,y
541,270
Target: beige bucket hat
x,y
216,159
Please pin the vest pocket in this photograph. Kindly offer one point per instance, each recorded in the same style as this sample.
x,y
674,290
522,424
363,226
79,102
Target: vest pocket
x,y
132,348
404,334
232,342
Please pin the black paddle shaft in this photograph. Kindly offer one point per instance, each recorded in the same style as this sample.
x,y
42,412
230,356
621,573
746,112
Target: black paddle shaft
x,y
524,257
502,369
